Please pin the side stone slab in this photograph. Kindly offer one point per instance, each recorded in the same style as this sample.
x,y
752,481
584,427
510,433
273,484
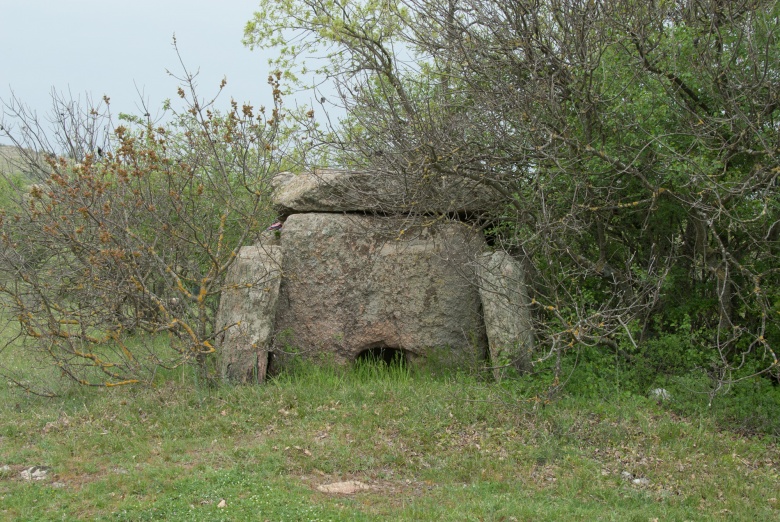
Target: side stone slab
x,y
506,311
247,311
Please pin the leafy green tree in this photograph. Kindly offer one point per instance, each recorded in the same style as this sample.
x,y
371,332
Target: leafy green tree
x,y
633,146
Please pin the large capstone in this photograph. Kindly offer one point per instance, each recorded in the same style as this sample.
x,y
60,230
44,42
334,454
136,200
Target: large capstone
x,y
354,283
246,313
506,311
329,190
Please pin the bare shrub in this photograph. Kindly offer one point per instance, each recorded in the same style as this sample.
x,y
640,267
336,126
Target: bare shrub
x,y
113,260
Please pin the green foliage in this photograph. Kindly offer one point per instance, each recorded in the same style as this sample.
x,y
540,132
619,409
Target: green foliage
x,y
749,406
631,148
430,449
673,364
9,184
373,368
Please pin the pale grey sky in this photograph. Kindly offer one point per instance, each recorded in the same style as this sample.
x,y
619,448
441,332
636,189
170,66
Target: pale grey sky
x,y
110,47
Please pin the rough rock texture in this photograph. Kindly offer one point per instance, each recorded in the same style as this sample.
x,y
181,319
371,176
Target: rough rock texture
x,y
506,312
327,190
361,266
246,312
354,282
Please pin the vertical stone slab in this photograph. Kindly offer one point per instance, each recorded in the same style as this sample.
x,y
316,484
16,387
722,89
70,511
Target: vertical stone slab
x,y
506,312
354,282
247,313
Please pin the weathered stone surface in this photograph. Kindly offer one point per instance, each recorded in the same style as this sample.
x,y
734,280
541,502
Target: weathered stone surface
x,y
327,190
247,311
35,473
366,269
324,190
506,312
356,282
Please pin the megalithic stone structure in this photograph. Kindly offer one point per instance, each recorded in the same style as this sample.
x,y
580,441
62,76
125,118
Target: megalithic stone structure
x,y
362,263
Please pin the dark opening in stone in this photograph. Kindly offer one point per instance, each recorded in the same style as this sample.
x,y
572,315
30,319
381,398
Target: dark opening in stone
x,y
382,354
271,368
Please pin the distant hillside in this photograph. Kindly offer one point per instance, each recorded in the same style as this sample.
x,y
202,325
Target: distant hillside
x,y
12,160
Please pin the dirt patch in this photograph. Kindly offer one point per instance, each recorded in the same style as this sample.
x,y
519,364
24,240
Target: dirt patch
x,y
347,487
350,485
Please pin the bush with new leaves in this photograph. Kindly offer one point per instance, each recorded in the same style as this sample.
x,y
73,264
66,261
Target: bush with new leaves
x,y
114,258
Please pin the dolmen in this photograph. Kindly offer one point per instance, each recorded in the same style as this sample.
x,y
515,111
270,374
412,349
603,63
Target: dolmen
x,y
362,264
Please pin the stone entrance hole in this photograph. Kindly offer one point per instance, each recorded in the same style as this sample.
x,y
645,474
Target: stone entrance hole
x,y
382,354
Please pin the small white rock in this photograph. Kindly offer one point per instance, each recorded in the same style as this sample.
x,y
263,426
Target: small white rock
x,y
660,394
35,473
641,482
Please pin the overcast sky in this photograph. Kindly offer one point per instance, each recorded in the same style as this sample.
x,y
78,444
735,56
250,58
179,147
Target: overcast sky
x,y
113,48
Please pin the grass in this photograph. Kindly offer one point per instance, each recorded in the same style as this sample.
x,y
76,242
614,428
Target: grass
x,y
446,447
